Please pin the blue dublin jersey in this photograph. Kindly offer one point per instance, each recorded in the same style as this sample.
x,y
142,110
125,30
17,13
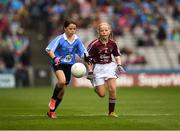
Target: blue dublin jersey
x,y
61,47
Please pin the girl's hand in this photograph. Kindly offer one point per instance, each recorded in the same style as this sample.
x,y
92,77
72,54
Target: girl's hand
x,y
119,70
90,75
56,60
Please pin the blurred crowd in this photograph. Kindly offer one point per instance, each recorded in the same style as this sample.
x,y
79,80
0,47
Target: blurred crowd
x,y
145,20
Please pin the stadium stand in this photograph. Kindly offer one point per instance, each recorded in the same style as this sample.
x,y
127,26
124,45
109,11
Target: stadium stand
x,y
150,30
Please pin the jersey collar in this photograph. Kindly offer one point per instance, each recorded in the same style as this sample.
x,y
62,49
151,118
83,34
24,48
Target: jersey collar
x,y
65,37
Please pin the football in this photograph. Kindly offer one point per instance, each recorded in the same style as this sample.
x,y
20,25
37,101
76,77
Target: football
x,y
78,70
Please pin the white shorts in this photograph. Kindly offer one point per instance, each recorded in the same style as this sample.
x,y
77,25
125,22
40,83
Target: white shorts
x,y
103,72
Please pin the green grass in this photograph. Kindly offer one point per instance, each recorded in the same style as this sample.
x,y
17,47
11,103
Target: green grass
x,y
81,109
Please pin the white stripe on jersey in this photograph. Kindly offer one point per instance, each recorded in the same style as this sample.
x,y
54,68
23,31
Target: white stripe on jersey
x,y
91,45
54,43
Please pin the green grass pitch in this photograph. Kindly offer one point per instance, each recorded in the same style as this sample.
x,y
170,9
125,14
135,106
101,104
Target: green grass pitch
x,y
82,109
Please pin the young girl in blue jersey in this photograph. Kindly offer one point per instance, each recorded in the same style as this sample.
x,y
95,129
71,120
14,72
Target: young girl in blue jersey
x,y
62,51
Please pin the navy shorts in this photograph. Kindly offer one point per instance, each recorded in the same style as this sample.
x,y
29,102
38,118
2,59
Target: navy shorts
x,y
66,69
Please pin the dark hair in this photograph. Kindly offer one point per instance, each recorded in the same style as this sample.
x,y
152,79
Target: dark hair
x,y
68,22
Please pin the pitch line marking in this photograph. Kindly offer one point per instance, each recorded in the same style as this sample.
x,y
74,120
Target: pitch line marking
x,y
84,115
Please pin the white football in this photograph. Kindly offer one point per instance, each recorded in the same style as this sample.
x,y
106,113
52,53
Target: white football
x,y
78,70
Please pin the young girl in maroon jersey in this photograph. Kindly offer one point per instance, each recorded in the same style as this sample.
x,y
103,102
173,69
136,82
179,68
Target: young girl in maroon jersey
x,y
103,70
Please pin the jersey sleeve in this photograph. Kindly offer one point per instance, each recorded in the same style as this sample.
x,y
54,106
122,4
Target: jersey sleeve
x,y
81,49
91,49
116,51
53,44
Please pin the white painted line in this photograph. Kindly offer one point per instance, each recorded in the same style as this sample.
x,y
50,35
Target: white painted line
x,y
84,115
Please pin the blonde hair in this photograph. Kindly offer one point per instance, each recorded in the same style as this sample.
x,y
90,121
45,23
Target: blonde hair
x,y
109,26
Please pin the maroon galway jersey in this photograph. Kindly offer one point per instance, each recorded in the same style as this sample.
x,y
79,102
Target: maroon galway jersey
x,y
101,53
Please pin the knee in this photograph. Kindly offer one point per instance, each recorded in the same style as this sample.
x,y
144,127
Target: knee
x,y
100,94
61,84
